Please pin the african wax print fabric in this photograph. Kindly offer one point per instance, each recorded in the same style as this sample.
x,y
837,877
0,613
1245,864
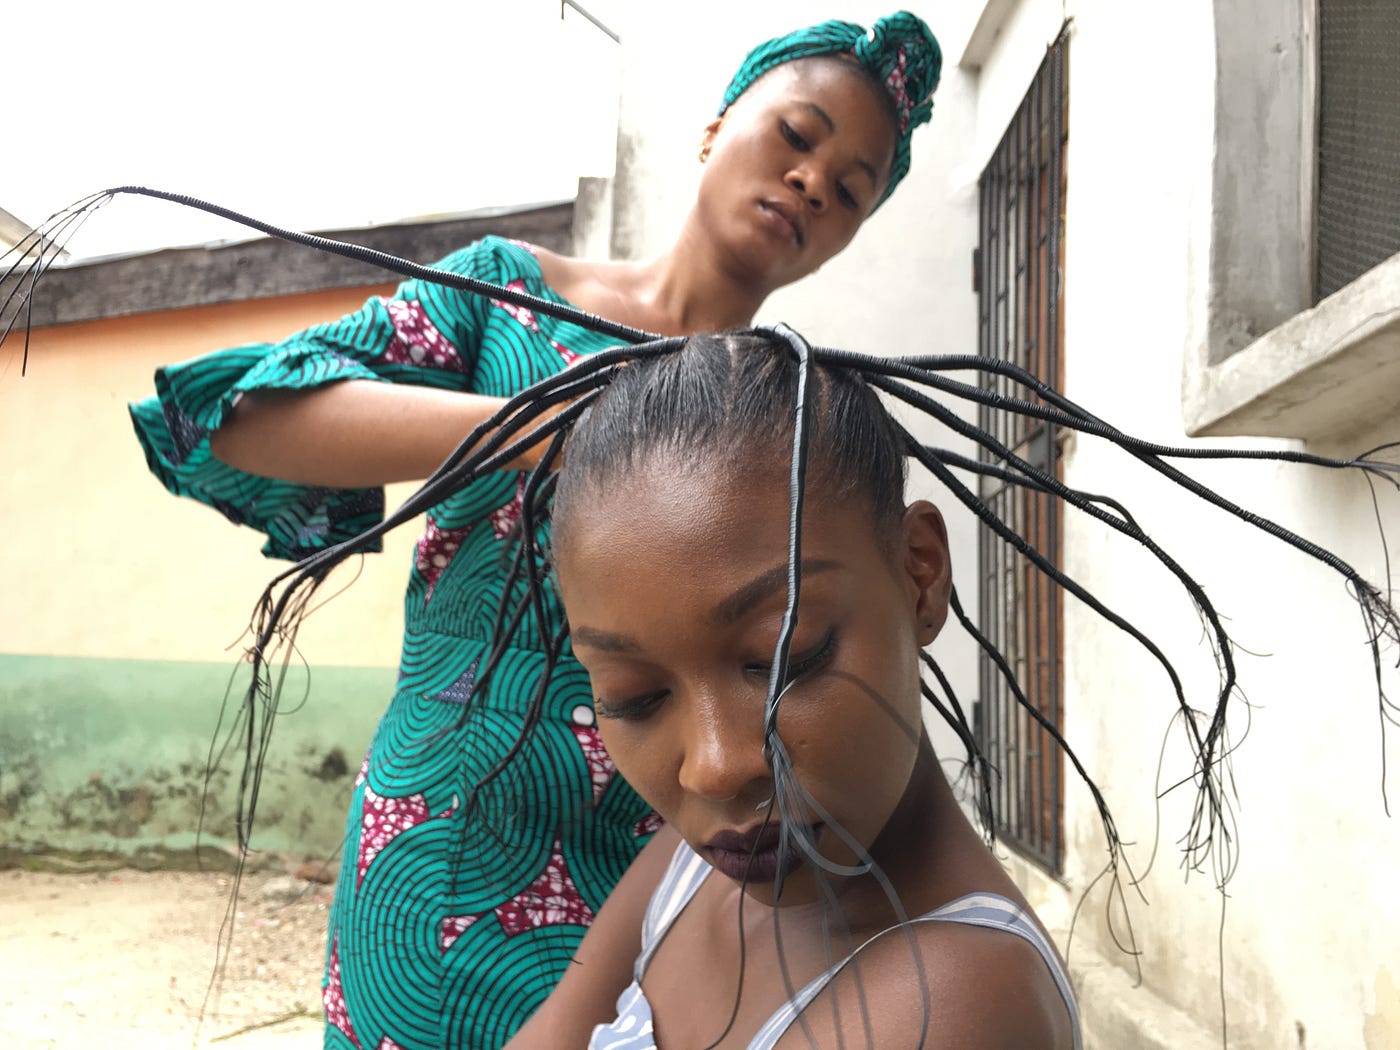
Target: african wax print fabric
x,y
455,913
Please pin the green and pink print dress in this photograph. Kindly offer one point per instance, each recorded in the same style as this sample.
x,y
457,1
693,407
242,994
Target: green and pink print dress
x,y
455,913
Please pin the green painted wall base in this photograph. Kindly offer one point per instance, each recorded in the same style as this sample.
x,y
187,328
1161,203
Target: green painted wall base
x,y
108,758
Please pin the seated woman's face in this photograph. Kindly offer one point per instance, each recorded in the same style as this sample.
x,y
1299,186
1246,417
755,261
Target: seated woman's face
x,y
675,582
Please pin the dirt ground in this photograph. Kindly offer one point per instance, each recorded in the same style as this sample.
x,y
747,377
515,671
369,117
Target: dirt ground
x,y
125,958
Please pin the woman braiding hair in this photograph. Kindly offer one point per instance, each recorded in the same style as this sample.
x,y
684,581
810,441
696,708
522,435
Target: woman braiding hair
x,y
683,470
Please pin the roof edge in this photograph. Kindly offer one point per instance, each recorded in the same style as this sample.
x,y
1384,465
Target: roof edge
x,y
261,268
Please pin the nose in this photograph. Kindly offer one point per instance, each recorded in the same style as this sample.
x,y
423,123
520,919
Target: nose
x,y
809,185
724,755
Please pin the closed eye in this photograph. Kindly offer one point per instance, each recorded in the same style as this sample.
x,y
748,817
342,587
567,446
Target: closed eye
x,y
633,709
794,139
846,197
801,664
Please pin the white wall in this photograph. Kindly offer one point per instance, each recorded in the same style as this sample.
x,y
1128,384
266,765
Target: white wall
x,y
1311,929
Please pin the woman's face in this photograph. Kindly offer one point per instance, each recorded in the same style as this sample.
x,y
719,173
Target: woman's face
x,y
794,168
675,583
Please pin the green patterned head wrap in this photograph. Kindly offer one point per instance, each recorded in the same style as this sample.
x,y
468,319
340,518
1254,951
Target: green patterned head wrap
x,y
899,51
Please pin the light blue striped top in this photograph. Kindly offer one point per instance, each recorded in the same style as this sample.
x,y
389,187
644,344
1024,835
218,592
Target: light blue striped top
x,y
632,1029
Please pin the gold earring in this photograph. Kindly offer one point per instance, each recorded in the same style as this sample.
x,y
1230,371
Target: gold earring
x,y
704,152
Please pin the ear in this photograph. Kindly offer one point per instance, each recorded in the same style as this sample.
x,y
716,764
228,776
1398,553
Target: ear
x,y
928,566
707,140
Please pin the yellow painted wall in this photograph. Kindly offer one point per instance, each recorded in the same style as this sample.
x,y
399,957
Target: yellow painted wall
x,y
98,560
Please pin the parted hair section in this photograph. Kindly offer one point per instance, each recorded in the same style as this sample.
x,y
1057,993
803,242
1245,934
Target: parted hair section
x,y
727,400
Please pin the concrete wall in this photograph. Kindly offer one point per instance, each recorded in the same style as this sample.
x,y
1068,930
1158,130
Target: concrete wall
x,y
1310,927
121,610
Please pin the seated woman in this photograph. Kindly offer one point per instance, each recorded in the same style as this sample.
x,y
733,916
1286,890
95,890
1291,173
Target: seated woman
x,y
817,885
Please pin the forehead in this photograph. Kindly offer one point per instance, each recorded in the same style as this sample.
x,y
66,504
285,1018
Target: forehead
x,y
836,85
711,512
822,77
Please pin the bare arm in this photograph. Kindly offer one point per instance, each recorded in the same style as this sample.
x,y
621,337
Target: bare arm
x,y
352,434
602,966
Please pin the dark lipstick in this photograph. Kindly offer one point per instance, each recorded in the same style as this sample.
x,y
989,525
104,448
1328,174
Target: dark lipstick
x,y
754,855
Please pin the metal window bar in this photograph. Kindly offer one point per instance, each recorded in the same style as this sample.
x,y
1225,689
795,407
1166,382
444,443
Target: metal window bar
x,y
1018,271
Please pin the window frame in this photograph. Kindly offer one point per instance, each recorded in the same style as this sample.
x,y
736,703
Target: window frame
x,y
1266,359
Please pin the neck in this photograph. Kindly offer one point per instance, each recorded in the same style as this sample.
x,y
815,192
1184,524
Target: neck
x,y
928,853
690,288
925,832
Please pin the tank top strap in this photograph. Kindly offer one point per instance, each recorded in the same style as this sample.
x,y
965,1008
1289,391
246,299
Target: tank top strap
x,y
989,910
683,877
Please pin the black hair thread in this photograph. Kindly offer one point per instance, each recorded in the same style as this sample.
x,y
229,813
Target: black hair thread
x,y
509,432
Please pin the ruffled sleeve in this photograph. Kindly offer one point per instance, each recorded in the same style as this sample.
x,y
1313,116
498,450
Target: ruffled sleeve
x,y
425,335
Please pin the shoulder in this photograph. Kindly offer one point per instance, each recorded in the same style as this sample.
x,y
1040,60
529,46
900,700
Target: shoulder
x,y
528,267
467,315
986,989
996,989
572,278
493,258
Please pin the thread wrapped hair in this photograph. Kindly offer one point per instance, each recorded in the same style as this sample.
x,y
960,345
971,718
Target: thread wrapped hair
x,y
925,384
525,420
899,51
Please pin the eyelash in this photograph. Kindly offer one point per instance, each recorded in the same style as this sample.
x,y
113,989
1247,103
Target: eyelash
x,y
797,142
637,708
632,710
804,663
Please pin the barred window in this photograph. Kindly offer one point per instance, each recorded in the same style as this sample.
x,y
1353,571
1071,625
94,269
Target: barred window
x,y
1018,269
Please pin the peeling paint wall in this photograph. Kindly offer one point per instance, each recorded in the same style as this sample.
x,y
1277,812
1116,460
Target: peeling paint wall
x,y
121,609
1382,1021
112,756
1311,921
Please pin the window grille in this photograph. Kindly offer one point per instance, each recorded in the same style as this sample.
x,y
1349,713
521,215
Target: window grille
x,y
1018,271
1358,139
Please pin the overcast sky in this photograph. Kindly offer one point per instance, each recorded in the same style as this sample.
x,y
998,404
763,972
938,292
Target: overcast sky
x,y
305,113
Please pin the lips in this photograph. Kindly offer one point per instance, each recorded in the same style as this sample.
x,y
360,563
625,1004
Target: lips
x,y
755,855
785,218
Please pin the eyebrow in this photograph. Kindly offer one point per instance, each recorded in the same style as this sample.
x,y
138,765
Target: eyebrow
x,y
825,118
726,612
761,586
603,641
820,114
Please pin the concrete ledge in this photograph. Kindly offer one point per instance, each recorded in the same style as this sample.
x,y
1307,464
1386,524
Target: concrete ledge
x,y
985,33
1115,1013
1325,372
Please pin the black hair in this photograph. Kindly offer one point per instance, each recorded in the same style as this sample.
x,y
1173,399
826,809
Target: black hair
x,y
731,396
715,392
843,378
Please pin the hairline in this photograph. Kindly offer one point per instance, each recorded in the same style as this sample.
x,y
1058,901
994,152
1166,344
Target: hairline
x,y
821,481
